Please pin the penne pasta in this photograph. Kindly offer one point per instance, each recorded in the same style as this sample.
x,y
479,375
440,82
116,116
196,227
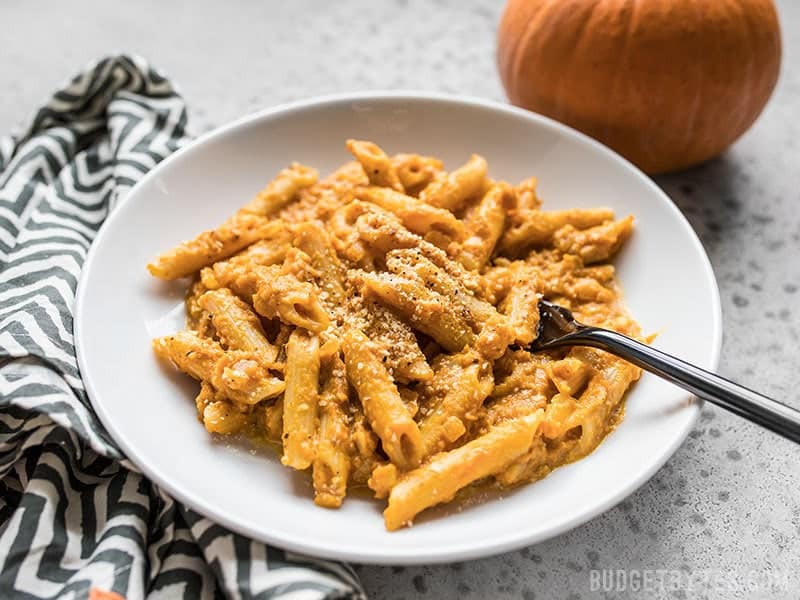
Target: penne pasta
x,y
415,171
245,379
211,246
538,229
281,190
383,406
415,215
426,310
381,233
440,479
569,375
460,385
414,263
222,417
404,357
596,243
269,251
451,191
273,421
287,298
329,272
234,376
300,399
373,325
237,326
331,466
484,223
365,448
190,353
521,303
377,166
526,200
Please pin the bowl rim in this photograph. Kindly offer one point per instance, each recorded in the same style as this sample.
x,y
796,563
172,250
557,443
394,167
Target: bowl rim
x,y
392,556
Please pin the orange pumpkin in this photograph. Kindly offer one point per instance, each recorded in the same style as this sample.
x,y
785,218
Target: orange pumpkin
x,y
666,83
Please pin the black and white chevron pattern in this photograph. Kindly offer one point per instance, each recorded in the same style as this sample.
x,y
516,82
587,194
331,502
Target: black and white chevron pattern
x,y
74,513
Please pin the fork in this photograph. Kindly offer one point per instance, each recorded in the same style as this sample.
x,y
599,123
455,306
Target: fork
x,y
558,328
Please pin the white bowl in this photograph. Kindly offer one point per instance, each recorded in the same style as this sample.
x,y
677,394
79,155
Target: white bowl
x,y
149,411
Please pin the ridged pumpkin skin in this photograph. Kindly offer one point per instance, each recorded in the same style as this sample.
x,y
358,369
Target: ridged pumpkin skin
x,y
666,83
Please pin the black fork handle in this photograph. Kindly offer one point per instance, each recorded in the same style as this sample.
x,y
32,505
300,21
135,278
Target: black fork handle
x,y
771,414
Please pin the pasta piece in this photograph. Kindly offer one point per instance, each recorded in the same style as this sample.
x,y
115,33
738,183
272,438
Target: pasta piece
x,y
222,417
236,376
425,310
237,326
378,167
269,251
596,243
206,396
534,464
494,332
438,480
346,177
211,246
415,171
460,385
524,217
190,353
382,479
451,191
285,297
321,200
521,303
365,444
300,400
331,466
381,233
495,337
575,427
345,238
383,406
197,318
329,273
561,414
562,276
526,200
329,350
569,375
484,223
411,399
397,343
414,214
281,190
537,230
522,386
245,379
217,414
273,421
412,262
601,397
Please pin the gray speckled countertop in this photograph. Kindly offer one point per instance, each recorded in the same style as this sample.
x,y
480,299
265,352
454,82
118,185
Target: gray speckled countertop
x,y
729,500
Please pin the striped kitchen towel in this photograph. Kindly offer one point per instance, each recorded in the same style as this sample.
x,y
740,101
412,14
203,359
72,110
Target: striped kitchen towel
x,y
76,518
